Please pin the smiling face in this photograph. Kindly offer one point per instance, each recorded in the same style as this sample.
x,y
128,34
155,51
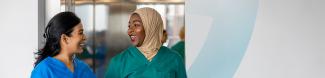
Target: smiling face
x,y
76,39
136,30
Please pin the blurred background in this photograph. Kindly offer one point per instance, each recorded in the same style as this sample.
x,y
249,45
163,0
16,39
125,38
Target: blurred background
x,y
106,23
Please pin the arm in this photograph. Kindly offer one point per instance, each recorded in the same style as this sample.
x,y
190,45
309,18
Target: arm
x,y
181,71
40,72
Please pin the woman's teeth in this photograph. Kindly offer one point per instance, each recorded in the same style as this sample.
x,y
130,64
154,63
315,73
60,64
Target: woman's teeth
x,y
133,37
82,44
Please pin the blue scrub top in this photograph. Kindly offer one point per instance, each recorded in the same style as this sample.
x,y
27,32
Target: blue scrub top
x,y
53,68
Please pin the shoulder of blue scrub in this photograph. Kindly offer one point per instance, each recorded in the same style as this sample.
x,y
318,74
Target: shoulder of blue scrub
x,y
42,66
81,64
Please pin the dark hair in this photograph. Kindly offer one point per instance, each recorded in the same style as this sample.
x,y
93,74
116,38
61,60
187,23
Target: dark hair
x,y
61,23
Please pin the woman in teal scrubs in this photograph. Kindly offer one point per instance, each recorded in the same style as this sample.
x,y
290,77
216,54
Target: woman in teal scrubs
x,y
180,46
64,38
146,58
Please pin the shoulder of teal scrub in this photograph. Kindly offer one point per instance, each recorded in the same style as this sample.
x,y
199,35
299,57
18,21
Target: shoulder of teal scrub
x,y
181,71
113,68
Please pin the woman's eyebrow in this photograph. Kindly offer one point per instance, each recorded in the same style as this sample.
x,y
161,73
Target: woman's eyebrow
x,y
136,21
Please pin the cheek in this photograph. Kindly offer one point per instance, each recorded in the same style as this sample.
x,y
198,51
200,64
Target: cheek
x,y
75,41
140,33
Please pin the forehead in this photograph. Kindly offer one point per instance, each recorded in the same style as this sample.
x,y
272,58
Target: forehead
x,y
78,27
135,16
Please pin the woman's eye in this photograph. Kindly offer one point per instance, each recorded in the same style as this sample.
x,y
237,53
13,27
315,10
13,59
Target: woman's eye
x,y
137,25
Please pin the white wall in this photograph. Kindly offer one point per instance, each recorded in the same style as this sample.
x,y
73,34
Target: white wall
x,y
18,37
288,41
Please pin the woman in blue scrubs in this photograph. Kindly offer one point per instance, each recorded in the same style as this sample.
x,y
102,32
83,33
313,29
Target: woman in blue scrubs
x,y
146,58
64,38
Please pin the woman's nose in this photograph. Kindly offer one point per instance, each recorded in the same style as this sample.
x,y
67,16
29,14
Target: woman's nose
x,y
84,37
130,30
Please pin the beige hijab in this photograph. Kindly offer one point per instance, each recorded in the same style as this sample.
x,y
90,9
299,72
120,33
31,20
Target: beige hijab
x,y
153,27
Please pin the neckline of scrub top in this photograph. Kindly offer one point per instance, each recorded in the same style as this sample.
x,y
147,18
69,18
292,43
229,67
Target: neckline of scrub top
x,y
63,65
143,58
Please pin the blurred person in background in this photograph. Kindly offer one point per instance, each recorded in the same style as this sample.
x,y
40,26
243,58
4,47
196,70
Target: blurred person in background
x,y
180,45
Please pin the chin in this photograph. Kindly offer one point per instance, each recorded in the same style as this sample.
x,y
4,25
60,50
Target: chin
x,y
134,43
79,51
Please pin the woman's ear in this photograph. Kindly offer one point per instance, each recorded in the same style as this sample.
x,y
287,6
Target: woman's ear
x,y
65,39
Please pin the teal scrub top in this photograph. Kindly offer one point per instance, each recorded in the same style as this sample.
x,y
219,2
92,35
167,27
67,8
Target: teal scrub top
x,y
53,68
180,48
131,63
